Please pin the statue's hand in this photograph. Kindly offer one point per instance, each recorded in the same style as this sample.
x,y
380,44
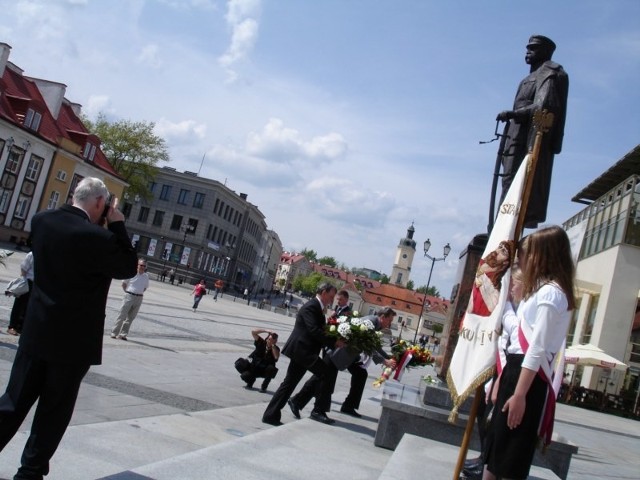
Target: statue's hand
x,y
505,115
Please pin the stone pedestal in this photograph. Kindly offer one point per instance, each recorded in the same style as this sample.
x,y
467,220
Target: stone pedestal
x,y
403,411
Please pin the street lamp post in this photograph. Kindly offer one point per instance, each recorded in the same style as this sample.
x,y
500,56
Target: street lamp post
x,y
187,228
229,249
445,253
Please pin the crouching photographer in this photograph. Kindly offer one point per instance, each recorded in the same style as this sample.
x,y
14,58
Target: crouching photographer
x,y
262,361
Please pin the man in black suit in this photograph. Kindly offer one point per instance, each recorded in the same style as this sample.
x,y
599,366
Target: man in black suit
x,y
311,386
381,321
75,260
303,349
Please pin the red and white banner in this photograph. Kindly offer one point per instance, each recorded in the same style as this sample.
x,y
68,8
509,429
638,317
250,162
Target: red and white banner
x,y
474,358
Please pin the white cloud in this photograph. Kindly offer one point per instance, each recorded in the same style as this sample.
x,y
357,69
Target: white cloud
x,y
283,144
186,4
342,200
185,129
242,17
254,170
150,56
278,157
97,104
238,10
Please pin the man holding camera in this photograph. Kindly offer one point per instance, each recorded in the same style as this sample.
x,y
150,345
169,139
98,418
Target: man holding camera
x,y
75,259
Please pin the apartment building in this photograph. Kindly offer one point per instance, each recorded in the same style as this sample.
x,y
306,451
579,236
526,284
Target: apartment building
x,y
202,229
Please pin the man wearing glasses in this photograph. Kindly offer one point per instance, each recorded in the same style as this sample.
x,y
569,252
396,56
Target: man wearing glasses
x,y
134,289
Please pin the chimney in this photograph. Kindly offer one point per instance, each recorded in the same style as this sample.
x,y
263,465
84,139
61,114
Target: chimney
x,y
4,56
52,93
76,108
243,196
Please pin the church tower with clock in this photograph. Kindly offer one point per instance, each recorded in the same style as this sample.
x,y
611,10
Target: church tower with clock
x,y
404,258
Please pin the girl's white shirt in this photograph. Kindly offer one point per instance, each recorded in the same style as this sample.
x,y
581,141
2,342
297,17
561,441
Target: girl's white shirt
x,y
547,315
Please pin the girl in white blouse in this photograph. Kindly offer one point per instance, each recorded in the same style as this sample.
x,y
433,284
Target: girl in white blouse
x,y
525,401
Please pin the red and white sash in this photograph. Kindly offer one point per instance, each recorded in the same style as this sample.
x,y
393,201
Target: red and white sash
x,y
547,373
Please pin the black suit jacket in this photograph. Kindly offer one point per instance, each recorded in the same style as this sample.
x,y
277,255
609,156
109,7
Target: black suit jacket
x,y
74,263
308,335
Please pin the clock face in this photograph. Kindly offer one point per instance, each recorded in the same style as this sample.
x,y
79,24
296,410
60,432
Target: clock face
x,y
404,255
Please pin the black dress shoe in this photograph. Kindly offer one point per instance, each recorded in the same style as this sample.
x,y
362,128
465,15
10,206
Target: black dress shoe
x,y
294,408
473,462
350,411
473,473
275,423
322,418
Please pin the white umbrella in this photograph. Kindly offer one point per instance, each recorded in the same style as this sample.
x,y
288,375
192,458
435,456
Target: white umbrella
x,y
591,356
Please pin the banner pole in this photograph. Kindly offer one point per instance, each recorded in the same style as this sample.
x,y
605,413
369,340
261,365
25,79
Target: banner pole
x,y
542,121
464,447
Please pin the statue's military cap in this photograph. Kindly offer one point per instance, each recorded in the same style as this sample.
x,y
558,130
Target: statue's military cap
x,y
543,41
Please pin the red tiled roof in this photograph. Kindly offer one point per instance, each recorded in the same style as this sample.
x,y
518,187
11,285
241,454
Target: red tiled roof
x,y
18,93
21,93
404,299
290,258
74,129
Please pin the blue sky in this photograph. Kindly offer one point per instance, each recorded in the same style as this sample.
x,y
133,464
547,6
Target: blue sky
x,y
344,121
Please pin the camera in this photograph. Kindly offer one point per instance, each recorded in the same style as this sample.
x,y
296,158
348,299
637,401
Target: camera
x,y
107,206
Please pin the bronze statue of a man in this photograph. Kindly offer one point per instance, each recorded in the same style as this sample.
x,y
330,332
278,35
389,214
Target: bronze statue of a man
x,y
546,87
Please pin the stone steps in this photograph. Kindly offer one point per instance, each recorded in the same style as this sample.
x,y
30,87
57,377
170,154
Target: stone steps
x,y
418,457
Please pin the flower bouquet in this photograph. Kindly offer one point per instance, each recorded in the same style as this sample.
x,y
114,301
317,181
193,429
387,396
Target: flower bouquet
x,y
406,356
360,336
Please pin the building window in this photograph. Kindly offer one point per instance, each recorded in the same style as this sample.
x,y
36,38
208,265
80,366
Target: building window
x,y
143,214
32,119
61,175
53,200
22,207
89,151
183,196
198,200
158,218
14,160
166,192
176,223
152,186
5,196
33,170
590,320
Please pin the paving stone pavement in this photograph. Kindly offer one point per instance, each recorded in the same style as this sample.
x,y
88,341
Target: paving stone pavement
x,y
171,391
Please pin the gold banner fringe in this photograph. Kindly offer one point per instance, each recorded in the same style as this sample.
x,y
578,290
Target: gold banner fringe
x,y
459,398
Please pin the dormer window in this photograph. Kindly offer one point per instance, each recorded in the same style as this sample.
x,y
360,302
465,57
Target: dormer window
x,y
89,151
32,119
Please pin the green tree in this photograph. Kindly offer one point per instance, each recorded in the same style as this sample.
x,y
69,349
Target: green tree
x,y
328,261
310,255
384,279
132,149
437,328
432,290
410,285
308,283
298,283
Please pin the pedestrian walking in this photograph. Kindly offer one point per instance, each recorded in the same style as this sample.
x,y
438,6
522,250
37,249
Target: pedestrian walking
x,y
198,292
